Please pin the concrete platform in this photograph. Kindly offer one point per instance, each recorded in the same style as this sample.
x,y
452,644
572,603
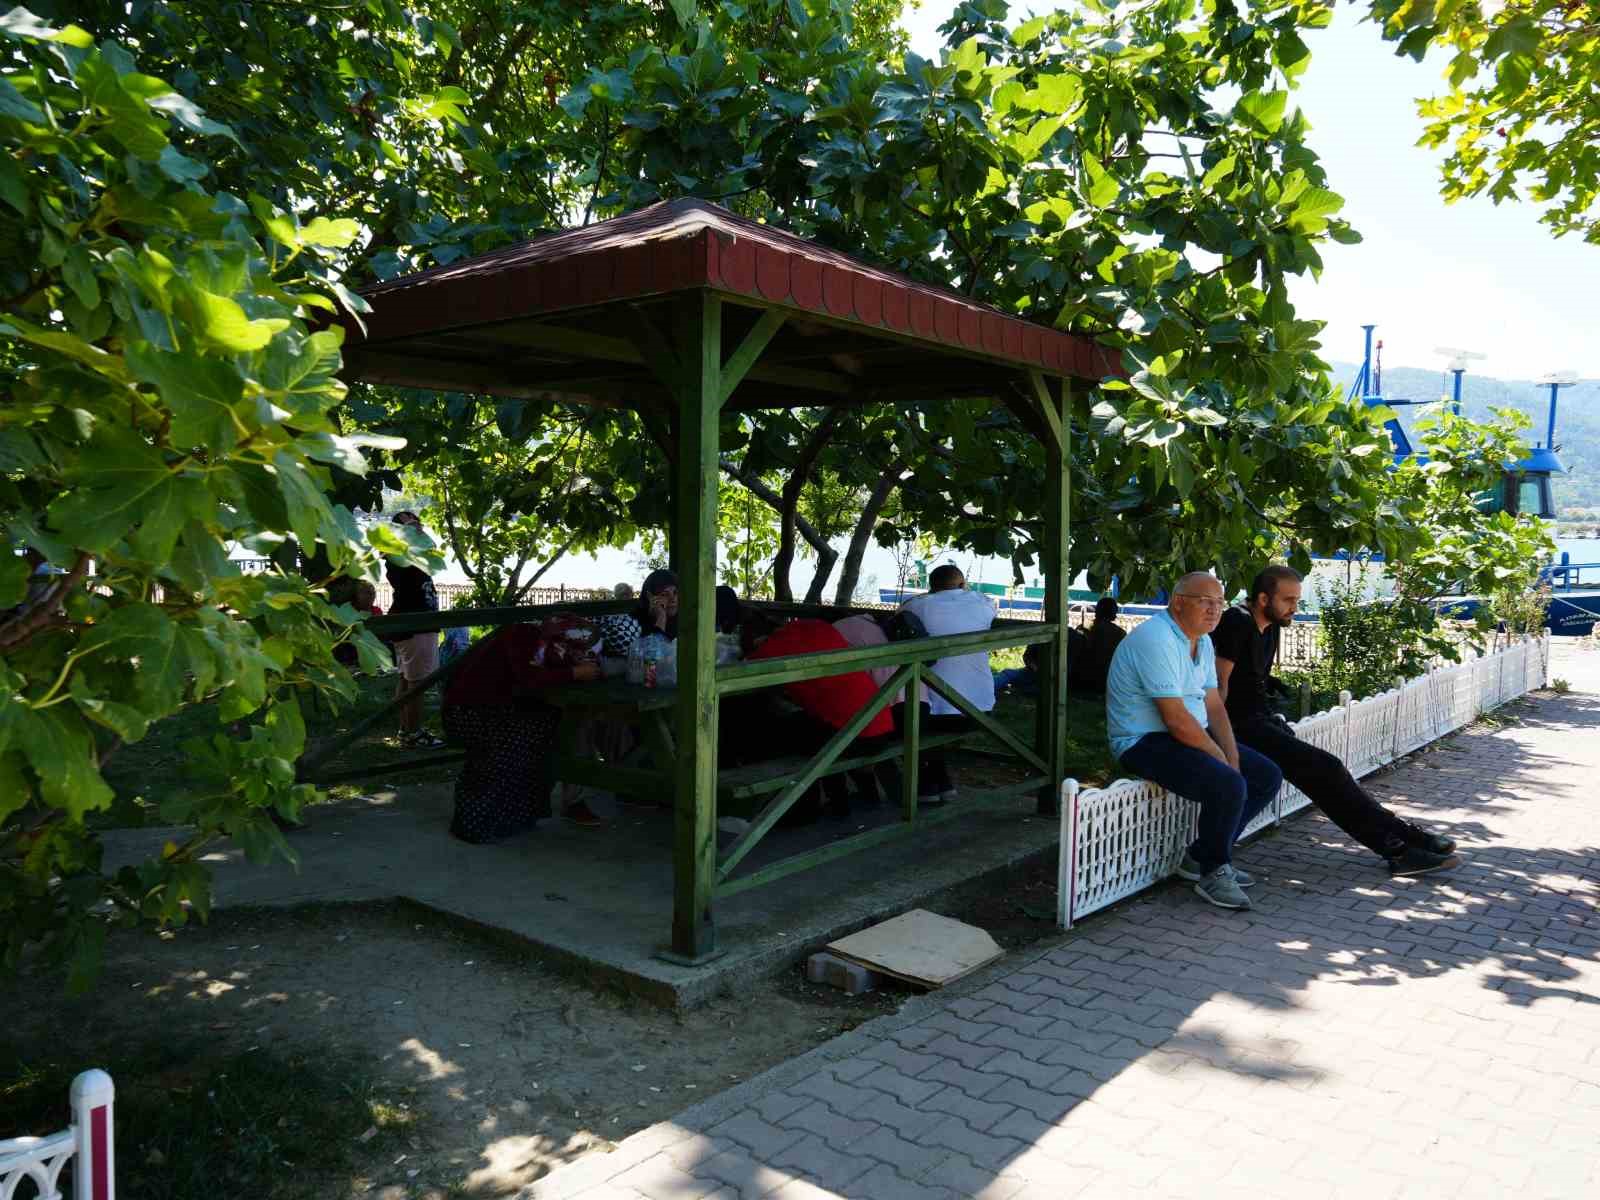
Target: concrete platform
x,y
601,899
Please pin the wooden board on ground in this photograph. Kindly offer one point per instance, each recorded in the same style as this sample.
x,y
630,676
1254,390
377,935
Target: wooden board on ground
x,y
920,947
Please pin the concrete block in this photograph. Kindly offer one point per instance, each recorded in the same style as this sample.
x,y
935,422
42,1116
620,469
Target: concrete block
x,y
849,977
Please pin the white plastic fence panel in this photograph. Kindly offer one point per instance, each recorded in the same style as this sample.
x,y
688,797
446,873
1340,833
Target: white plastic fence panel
x,y
1120,839
1325,730
87,1145
1371,733
1459,698
1128,836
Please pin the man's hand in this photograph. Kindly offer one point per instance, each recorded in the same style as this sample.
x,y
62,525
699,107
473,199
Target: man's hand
x,y
1186,730
584,672
1220,728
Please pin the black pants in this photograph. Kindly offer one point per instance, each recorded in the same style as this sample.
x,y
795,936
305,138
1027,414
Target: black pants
x,y
803,734
933,772
1328,784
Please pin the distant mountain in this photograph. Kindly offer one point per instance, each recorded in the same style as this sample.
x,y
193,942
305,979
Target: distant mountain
x,y
1577,419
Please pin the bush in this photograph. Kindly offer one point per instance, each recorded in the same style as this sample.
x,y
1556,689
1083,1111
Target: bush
x,y
1367,644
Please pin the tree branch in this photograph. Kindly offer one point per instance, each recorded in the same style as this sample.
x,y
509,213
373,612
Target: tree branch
x,y
43,611
789,512
764,492
891,478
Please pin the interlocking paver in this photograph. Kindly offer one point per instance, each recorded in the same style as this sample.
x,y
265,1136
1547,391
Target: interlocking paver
x,y
1351,1035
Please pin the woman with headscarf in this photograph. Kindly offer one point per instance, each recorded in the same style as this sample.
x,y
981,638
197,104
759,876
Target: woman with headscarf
x,y
492,708
658,604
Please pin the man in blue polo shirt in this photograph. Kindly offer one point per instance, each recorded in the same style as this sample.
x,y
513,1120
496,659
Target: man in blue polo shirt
x,y
1166,723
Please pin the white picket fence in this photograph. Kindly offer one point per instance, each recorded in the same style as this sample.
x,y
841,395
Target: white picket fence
x,y
41,1160
1123,838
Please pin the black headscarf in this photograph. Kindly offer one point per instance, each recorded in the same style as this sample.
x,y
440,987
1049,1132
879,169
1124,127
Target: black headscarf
x,y
727,609
656,581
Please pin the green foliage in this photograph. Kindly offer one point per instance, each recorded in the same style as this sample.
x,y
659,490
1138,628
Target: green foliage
x,y
1521,609
1369,644
1520,115
1436,533
514,487
166,398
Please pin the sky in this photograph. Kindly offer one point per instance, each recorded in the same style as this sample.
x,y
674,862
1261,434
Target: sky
x,y
1468,275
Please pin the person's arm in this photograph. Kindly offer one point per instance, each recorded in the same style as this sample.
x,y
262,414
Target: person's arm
x,y
1186,730
1224,669
1221,729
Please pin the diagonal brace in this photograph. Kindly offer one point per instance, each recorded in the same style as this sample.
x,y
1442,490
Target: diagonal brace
x,y
987,723
1049,407
749,351
837,744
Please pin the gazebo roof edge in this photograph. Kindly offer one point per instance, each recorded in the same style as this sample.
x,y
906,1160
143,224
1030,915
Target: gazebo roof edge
x,y
688,244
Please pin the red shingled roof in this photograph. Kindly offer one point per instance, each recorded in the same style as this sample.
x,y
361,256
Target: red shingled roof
x,y
682,245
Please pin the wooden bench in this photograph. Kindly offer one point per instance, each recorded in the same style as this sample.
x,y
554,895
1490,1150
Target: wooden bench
x,y
772,775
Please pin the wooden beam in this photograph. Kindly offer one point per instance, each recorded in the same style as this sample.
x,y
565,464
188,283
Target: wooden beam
x,y
660,356
440,375
911,732
1051,714
974,802
769,672
580,344
696,479
1047,406
744,358
986,722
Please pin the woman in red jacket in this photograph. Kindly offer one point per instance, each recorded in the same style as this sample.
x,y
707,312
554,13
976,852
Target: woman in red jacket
x,y
492,708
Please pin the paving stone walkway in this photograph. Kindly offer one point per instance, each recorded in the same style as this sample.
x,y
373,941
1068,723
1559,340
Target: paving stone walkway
x,y
1353,1035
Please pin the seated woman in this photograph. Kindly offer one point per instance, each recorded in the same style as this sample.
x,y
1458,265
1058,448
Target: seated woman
x,y
492,708
658,604
826,705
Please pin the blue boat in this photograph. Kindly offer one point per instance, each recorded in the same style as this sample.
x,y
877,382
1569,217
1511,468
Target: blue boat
x,y
1524,488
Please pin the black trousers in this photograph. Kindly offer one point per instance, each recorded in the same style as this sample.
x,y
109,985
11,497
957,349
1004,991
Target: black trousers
x,y
933,772
1328,784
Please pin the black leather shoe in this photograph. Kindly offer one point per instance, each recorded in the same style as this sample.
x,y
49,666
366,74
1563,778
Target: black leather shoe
x,y
1433,843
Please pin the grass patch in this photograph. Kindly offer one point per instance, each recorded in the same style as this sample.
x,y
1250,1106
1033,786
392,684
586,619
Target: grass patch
x,y
194,1122
1088,757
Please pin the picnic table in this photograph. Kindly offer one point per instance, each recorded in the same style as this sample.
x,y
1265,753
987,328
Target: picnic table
x,y
651,709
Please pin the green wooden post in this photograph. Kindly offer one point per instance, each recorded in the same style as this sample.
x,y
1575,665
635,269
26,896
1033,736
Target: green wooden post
x,y
1052,712
910,764
695,553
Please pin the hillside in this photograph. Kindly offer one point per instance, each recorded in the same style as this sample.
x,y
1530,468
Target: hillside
x,y
1577,419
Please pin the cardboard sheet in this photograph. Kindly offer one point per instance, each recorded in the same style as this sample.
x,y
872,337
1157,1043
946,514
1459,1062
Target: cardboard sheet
x,y
921,948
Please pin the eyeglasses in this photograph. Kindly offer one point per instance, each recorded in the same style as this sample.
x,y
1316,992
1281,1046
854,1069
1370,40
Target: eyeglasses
x,y
1209,601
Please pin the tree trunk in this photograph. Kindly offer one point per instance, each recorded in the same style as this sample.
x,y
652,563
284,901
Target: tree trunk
x,y
862,535
813,536
789,509
521,590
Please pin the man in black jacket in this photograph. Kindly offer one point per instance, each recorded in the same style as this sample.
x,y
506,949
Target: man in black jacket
x,y
1246,645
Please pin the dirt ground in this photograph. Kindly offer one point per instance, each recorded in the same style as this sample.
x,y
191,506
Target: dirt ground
x,y
514,1066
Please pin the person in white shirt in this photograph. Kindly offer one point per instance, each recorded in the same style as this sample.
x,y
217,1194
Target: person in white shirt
x,y
947,608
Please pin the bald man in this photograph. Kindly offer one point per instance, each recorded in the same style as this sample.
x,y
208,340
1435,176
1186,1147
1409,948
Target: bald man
x,y
1166,723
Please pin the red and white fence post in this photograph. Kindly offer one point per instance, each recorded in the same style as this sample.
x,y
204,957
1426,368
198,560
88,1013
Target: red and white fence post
x,y
94,1173
85,1146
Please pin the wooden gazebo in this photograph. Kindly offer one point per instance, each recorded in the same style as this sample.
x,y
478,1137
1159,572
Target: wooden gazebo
x,y
678,311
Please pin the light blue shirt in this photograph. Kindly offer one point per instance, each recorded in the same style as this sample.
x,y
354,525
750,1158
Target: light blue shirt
x,y
1154,661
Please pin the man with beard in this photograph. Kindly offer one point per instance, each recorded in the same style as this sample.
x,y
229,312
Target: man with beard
x,y
1246,645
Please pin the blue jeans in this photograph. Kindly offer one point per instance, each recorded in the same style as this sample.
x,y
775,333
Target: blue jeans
x,y
1227,798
